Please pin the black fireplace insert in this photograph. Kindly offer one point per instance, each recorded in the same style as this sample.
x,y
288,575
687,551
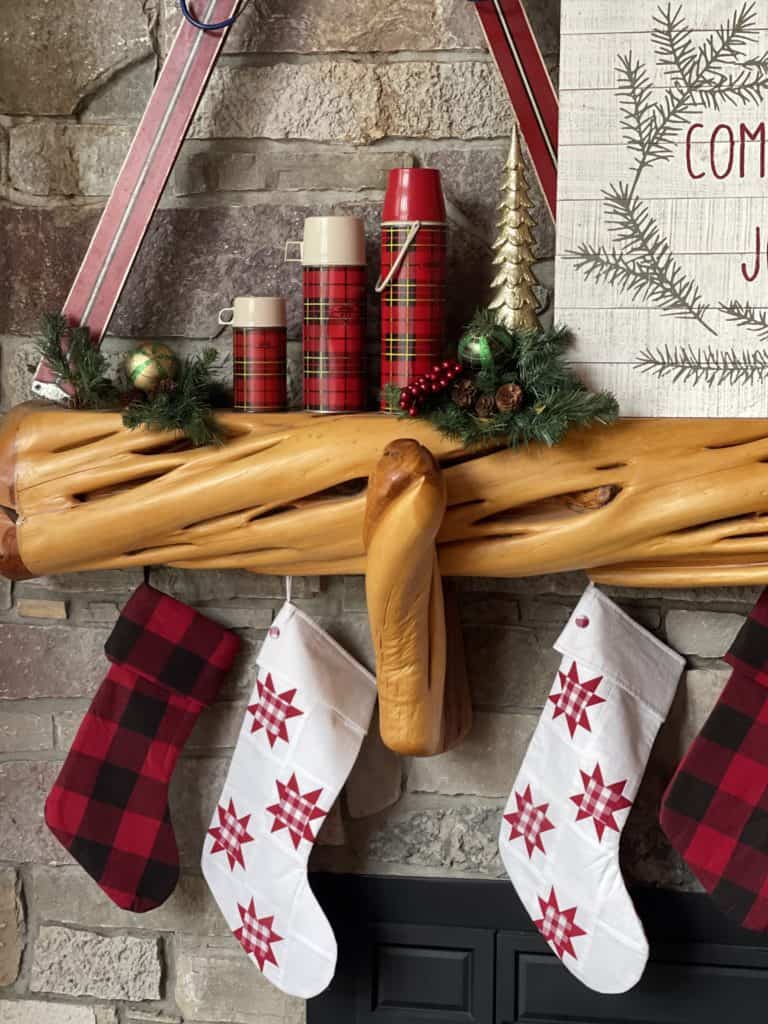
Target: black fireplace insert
x,y
441,951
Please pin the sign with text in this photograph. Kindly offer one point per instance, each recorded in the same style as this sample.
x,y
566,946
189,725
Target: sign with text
x,y
662,253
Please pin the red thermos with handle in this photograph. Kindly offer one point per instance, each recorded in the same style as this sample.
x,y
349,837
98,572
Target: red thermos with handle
x,y
414,233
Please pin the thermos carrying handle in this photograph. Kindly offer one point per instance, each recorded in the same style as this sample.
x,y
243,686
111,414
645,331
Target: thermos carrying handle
x,y
294,259
222,321
410,238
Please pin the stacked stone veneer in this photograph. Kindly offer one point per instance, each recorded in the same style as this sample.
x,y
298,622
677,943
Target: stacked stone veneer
x,y
312,103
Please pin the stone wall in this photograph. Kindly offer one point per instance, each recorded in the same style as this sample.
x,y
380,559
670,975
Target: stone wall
x,y
312,103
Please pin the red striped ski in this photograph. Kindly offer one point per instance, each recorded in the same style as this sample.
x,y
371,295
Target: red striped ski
x,y
529,85
123,224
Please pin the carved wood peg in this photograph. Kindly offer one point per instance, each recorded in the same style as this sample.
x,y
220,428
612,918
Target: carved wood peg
x,y
404,591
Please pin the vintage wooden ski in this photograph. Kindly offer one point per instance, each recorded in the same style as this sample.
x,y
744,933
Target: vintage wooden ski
x,y
517,54
123,224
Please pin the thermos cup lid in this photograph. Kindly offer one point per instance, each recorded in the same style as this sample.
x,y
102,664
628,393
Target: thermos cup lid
x,y
414,193
333,241
255,311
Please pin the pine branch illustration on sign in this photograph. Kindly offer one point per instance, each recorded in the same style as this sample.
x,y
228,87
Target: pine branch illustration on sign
x,y
640,261
689,365
748,317
644,265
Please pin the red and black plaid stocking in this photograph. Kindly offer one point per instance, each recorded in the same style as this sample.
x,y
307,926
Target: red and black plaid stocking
x,y
109,805
715,810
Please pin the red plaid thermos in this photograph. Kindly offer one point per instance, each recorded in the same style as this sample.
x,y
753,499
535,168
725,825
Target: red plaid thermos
x,y
333,258
259,353
412,283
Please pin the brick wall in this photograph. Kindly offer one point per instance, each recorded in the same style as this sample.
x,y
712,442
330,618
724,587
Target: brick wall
x,y
312,103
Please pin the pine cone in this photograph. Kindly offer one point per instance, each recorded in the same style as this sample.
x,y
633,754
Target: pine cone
x,y
464,394
509,398
167,386
485,406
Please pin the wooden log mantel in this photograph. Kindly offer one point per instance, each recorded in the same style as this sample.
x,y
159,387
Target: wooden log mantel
x,y
641,503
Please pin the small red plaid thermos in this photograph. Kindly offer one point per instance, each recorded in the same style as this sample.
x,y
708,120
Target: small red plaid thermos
x,y
334,277
259,352
414,233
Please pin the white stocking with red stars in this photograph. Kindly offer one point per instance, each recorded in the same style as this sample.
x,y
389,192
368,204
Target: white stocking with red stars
x,y
560,831
302,731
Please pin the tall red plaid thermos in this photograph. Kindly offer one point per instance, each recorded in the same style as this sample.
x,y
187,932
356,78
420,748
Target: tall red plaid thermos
x,y
333,257
259,352
414,232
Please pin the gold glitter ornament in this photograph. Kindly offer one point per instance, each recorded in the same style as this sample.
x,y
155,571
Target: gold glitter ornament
x,y
149,365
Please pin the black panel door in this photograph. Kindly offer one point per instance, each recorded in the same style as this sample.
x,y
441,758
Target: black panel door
x,y
533,986
428,974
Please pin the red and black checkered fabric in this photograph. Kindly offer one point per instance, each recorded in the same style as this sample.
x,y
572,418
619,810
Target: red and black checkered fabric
x,y
412,304
109,805
715,810
259,371
334,339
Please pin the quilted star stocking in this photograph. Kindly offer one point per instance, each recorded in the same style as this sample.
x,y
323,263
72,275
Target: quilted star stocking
x,y
715,810
301,734
560,834
109,805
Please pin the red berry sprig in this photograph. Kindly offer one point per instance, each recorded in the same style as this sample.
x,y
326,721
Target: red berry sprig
x,y
440,377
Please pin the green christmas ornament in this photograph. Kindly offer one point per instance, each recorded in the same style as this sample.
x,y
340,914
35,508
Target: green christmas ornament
x,y
478,351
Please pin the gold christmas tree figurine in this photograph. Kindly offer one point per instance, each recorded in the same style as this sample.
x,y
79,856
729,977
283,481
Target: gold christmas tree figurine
x,y
514,300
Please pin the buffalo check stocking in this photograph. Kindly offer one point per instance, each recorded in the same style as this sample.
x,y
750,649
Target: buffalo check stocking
x,y
302,731
109,805
561,828
715,810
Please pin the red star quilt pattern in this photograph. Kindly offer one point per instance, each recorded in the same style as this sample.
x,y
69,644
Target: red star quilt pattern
x,y
600,802
558,926
273,711
230,835
256,936
296,811
575,699
529,821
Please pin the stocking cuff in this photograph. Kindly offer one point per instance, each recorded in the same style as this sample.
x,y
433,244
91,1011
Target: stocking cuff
x,y
170,643
605,638
749,651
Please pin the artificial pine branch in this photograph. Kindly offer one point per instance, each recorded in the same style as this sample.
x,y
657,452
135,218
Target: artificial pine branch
x,y
76,361
704,366
184,405
555,400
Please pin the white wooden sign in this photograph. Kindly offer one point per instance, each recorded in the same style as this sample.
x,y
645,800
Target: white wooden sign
x,y
662,252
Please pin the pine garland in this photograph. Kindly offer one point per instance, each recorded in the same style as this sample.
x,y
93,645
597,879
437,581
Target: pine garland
x,y
77,362
183,405
554,398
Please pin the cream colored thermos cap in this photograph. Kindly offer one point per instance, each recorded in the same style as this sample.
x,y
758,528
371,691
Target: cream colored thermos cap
x,y
254,311
331,242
